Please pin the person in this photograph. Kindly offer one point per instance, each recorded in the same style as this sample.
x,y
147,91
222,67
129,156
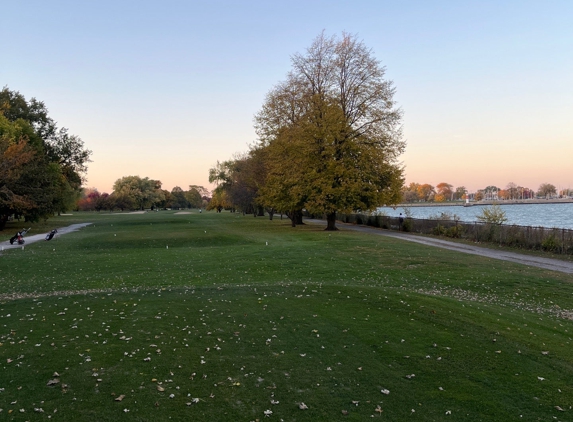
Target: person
x,y
400,221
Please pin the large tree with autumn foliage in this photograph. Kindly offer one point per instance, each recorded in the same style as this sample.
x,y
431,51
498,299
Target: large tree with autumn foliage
x,y
41,166
332,133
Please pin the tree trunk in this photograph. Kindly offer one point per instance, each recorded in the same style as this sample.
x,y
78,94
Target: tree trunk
x,y
271,213
3,220
298,216
292,216
331,221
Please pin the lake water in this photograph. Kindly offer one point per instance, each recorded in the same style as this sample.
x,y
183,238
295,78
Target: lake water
x,y
536,215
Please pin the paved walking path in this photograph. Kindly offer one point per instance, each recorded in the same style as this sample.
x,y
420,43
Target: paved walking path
x,y
534,261
38,237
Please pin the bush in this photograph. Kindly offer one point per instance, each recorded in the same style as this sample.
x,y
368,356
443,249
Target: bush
x,y
455,231
446,216
439,230
492,215
550,244
407,225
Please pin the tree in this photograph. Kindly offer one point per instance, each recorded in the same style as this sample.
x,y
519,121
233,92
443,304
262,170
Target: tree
x,y
241,189
14,106
240,179
337,112
28,180
221,173
410,193
546,190
166,201
460,193
219,201
142,193
14,159
51,162
193,196
491,192
178,199
492,215
444,192
512,191
122,200
200,189
92,200
426,192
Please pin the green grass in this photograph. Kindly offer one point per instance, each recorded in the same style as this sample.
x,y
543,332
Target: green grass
x,y
238,312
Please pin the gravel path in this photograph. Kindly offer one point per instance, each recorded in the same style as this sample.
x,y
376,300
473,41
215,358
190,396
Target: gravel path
x,y
534,261
38,237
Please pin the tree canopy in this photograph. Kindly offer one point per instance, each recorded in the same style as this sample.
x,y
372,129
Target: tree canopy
x,y
546,190
137,192
329,136
41,166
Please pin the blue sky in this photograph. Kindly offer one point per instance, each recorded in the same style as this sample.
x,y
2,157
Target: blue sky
x,y
165,89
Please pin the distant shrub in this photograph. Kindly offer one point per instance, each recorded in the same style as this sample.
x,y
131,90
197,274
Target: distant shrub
x,y
455,231
407,225
550,244
492,215
380,213
448,216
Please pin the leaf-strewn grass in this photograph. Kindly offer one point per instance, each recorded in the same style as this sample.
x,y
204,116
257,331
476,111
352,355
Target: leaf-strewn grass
x,y
225,317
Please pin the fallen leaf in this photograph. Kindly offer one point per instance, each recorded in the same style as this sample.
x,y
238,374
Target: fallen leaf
x,y
120,398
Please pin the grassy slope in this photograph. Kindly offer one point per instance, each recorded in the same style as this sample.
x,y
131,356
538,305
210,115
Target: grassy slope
x,y
324,319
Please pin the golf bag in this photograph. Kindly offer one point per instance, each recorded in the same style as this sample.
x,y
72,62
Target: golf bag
x,y
19,237
51,235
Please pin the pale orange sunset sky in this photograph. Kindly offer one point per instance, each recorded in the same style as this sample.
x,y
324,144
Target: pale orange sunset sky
x,y
164,90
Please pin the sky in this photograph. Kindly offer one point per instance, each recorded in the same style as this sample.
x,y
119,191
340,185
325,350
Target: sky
x,y
164,89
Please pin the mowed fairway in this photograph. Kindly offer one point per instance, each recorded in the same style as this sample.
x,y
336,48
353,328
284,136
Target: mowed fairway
x,y
223,317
